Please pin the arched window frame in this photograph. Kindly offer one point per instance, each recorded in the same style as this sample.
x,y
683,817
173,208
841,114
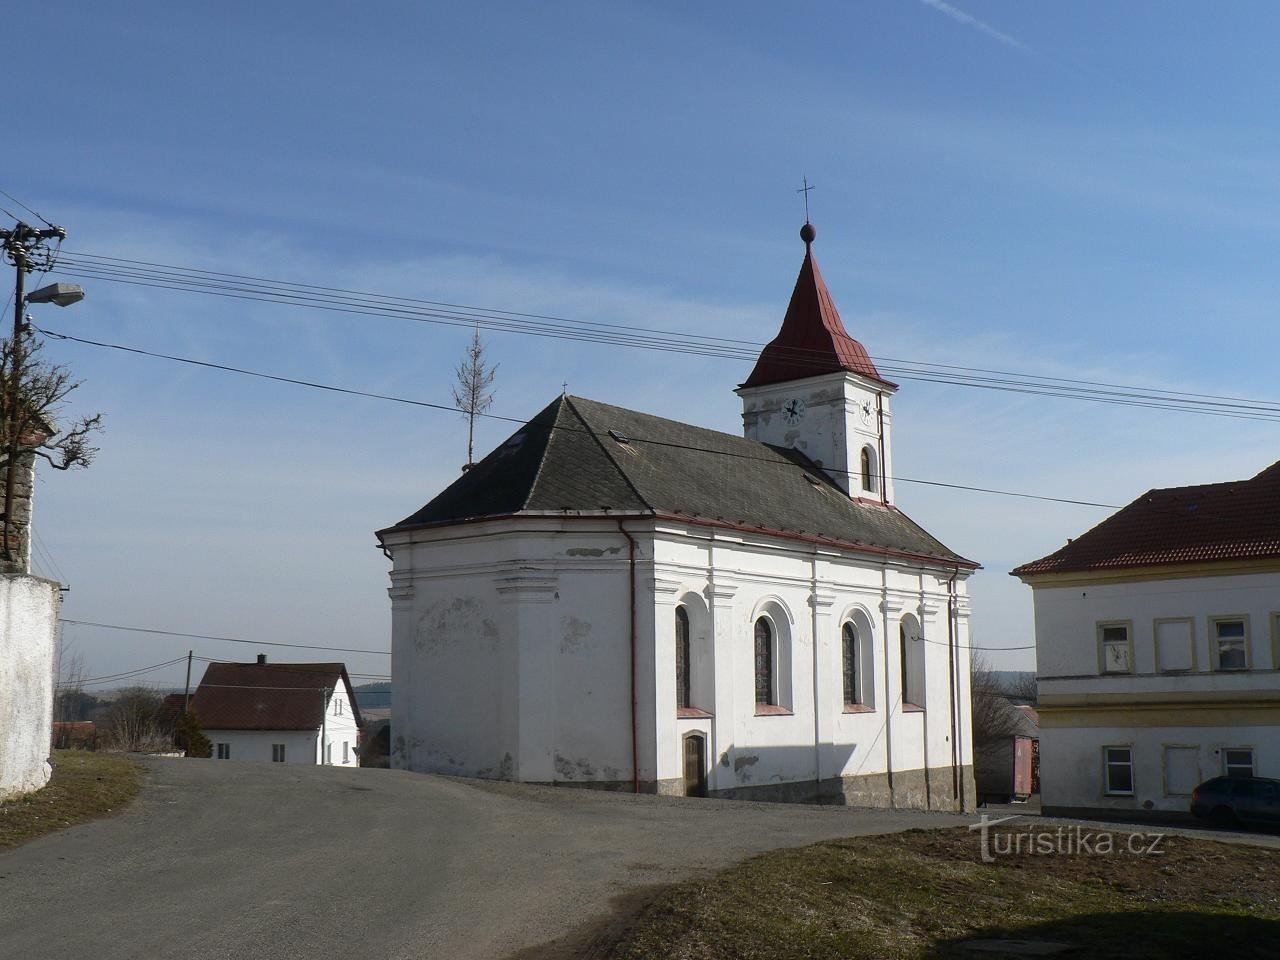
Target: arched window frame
x,y
764,638
684,659
911,663
869,469
850,665
780,623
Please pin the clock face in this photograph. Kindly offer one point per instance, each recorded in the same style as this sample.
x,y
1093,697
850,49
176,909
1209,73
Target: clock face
x,y
865,411
793,410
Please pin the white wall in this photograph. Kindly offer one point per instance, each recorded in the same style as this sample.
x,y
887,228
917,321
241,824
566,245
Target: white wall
x,y
28,623
1084,709
511,658
300,746
1071,762
842,413
1067,618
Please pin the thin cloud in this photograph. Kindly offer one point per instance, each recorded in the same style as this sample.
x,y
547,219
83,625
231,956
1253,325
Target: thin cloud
x,y
971,21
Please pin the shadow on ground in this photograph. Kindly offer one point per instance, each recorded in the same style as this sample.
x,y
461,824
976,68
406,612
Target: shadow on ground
x,y
1136,935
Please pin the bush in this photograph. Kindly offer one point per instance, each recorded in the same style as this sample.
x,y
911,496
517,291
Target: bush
x,y
189,736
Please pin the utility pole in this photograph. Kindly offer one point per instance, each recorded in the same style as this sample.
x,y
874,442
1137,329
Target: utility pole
x,y
26,247
186,694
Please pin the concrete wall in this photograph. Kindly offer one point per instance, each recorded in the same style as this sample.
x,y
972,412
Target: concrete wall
x,y
28,630
1167,701
511,659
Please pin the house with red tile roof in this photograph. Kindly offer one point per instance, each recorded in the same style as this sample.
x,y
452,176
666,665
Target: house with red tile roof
x,y
279,712
617,600
1158,649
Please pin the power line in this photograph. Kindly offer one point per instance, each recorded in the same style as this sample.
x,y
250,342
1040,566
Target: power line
x,y
192,280
25,207
121,676
201,636
439,406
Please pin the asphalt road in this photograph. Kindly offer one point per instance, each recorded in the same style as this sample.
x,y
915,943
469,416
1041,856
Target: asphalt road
x,y
241,860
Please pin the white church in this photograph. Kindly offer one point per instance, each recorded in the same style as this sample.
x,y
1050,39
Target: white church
x,y
615,600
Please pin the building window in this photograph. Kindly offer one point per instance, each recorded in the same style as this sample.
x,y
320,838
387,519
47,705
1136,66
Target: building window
x,y
346,752
868,482
684,685
337,707
1115,648
849,660
1175,645
764,663
912,663
277,753
1231,638
1238,762
224,751
1118,771
328,753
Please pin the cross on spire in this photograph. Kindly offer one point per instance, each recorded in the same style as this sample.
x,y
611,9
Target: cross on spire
x,y
805,190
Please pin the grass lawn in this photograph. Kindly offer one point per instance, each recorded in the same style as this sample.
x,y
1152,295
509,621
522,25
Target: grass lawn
x,y
922,893
84,785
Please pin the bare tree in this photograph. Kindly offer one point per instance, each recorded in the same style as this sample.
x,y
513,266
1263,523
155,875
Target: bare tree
x,y
42,390
472,394
133,722
993,715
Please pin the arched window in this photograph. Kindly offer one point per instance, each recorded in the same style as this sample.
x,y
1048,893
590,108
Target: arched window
x,y
849,652
684,686
764,663
912,664
868,482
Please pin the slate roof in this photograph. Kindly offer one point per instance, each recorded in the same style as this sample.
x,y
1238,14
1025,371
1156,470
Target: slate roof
x,y
1238,520
582,455
813,340
267,696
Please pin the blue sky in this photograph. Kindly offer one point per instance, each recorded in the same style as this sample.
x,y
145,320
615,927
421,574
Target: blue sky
x,y
1083,189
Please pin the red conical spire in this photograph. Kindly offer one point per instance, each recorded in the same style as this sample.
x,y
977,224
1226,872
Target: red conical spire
x,y
813,340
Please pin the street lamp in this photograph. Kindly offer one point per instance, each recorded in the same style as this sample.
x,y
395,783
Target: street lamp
x,y
61,294
22,245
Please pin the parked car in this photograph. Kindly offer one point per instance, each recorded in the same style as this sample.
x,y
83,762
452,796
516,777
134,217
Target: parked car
x,y
1248,800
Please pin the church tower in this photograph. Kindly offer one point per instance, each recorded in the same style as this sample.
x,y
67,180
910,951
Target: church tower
x,y
816,389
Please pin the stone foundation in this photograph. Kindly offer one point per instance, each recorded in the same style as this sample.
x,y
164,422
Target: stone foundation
x,y
872,790
908,791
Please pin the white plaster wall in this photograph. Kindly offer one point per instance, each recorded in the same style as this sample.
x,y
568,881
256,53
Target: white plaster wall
x,y
833,429
743,576
1067,617
255,745
28,623
339,728
511,655
1071,762
1067,655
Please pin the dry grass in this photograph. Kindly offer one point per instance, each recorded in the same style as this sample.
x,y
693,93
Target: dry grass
x,y
922,893
84,786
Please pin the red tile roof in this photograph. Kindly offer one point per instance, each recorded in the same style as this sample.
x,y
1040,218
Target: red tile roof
x,y
1238,520
813,340
268,696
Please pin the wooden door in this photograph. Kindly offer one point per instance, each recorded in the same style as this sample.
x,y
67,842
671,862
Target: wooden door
x,y
695,765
